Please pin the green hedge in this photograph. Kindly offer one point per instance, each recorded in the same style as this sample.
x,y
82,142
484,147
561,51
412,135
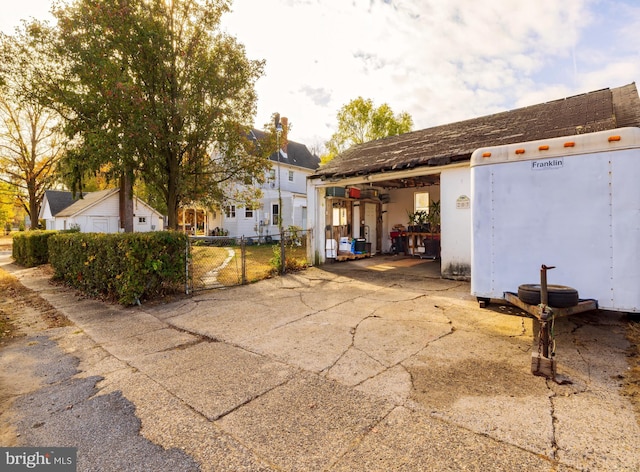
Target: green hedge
x,y
129,267
30,248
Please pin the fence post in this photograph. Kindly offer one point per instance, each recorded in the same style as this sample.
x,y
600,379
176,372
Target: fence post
x,y
283,264
243,261
186,265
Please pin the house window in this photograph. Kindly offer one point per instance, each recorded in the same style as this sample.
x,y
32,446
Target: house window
x,y
230,211
142,220
272,174
248,213
275,213
290,176
421,201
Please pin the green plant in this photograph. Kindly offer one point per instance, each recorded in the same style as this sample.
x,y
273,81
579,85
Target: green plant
x,y
30,248
433,218
276,259
293,236
421,217
129,267
412,218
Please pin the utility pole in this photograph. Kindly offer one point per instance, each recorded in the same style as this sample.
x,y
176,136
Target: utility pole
x,y
278,126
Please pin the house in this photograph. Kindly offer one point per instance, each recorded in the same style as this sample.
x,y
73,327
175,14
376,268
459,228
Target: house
x,y
55,201
285,179
95,212
395,176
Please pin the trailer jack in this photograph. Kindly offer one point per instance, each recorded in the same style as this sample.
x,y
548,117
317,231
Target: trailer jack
x,y
543,360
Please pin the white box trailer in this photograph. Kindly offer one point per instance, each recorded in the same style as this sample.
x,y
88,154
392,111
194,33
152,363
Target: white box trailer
x,y
572,203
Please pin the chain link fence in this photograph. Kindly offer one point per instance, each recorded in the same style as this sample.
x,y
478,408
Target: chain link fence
x,y
223,261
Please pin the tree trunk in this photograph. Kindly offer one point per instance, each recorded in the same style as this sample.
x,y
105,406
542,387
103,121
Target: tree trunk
x,y
34,210
34,207
126,202
172,192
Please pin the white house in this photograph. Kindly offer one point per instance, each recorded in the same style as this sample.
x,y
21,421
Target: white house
x,y
286,181
398,175
95,212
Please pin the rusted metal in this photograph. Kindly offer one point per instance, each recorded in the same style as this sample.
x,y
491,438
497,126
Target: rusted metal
x,y
543,362
544,292
540,314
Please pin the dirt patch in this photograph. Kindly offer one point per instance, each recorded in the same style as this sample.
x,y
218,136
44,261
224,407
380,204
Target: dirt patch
x,y
22,313
631,386
441,386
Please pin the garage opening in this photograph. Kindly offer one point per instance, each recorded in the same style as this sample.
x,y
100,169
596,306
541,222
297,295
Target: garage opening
x,y
400,217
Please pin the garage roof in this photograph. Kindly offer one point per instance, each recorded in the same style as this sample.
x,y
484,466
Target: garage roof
x,y
446,144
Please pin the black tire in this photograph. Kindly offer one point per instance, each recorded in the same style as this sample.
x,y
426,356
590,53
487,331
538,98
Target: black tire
x,y
560,296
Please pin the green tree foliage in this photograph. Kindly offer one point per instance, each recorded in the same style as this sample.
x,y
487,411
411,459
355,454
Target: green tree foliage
x,y
30,139
360,121
152,89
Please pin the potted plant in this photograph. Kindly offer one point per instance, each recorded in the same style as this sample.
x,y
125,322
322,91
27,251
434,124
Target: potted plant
x,y
412,221
432,243
433,218
422,221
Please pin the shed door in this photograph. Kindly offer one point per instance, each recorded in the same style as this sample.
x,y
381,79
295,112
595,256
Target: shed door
x,y
100,225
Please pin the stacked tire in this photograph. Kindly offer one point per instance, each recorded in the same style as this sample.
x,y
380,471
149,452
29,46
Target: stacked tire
x,y
559,296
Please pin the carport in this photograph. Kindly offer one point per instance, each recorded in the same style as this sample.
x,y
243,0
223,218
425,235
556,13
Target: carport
x,y
389,173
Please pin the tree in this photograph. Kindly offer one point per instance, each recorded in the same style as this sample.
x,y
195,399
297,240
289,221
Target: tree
x,y
360,121
151,89
7,204
30,141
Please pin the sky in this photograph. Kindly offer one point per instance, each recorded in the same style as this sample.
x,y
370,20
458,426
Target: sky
x,y
439,60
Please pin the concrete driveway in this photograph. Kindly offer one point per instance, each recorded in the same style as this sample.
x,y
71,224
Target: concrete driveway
x,y
376,364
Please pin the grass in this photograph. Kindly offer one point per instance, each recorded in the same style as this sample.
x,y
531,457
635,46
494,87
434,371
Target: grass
x,y
260,263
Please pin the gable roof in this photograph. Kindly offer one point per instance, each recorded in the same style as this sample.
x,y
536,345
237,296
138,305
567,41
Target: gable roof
x,y
86,202
59,200
446,144
297,154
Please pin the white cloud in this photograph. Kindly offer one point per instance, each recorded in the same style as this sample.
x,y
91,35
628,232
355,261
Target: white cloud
x,y
439,60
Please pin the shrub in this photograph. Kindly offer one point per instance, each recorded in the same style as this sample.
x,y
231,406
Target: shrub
x,y
30,248
128,267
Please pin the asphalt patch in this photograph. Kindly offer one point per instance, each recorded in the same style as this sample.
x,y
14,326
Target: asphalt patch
x,y
69,412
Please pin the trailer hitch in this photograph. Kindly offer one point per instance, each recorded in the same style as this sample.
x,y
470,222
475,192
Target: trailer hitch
x,y
543,363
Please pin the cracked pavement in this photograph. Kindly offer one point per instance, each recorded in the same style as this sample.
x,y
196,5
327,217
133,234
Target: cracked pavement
x,y
376,364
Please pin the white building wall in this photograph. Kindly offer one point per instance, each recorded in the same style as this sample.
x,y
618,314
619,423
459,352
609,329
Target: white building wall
x,y
104,217
107,207
293,199
455,222
153,221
